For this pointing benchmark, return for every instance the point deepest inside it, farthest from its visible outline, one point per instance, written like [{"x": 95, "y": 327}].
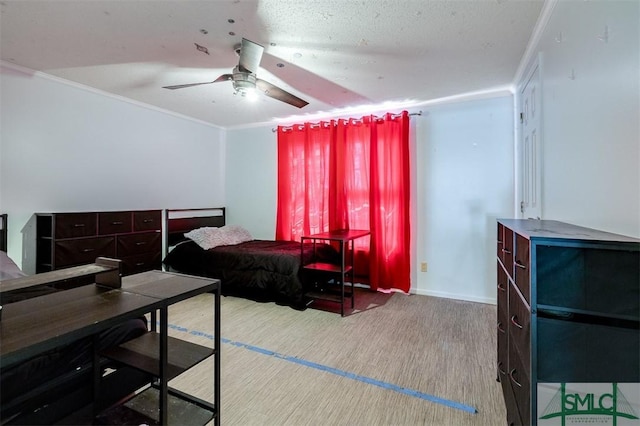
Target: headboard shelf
[{"x": 180, "y": 221}]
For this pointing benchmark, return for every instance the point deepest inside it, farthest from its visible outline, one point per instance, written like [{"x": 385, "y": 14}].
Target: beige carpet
[{"x": 395, "y": 360}]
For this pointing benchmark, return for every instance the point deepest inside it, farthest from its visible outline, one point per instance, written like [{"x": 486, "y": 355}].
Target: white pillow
[
  {"x": 210, "y": 237},
  {"x": 237, "y": 233}
]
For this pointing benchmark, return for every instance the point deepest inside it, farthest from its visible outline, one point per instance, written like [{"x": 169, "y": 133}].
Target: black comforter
[{"x": 261, "y": 270}]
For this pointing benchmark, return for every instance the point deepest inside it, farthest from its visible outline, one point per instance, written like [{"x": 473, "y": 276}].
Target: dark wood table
[
  {"x": 171, "y": 288},
  {"x": 345, "y": 239},
  {"x": 34, "y": 326}
]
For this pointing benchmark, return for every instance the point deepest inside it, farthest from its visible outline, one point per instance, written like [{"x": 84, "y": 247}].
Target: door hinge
[
  {"x": 521, "y": 118},
  {"x": 521, "y": 206}
]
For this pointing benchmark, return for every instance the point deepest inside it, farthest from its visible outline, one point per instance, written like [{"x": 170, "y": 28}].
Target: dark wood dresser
[
  {"x": 77, "y": 238},
  {"x": 568, "y": 310}
]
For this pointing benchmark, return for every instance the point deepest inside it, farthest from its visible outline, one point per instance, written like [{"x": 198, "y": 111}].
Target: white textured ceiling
[{"x": 336, "y": 53}]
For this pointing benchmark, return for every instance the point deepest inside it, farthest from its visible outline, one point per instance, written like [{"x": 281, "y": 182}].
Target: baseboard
[{"x": 457, "y": 296}]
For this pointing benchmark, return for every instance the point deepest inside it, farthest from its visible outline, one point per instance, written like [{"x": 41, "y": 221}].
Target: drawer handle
[
  {"x": 79, "y": 225},
  {"x": 513, "y": 379},
  {"x": 502, "y": 371},
  {"x": 506, "y": 251},
  {"x": 141, "y": 243},
  {"x": 116, "y": 223},
  {"x": 88, "y": 250},
  {"x": 140, "y": 264},
  {"x": 147, "y": 221},
  {"x": 500, "y": 327},
  {"x": 520, "y": 265},
  {"x": 514, "y": 322}
]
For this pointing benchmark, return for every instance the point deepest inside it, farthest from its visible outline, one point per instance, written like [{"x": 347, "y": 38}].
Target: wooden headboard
[
  {"x": 179, "y": 221},
  {"x": 3, "y": 232}
]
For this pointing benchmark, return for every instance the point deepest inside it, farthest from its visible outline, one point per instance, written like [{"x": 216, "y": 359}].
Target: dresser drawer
[
  {"x": 521, "y": 266},
  {"x": 507, "y": 251},
  {"x": 502, "y": 318},
  {"x": 500, "y": 242},
  {"x": 73, "y": 225},
  {"x": 519, "y": 326},
  {"x": 521, "y": 384},
  {"x": 501, "y": 291},
  {"x": 133, "y": 244},
  {"x": 503, "y": 350},
  {"x": 149, "y": 220},
  {"x": 513, "y": 414},
  {"x": 83, "y": 251},
  {"x": 114, "y": 223},
  {"x": 141, "y": 263}
]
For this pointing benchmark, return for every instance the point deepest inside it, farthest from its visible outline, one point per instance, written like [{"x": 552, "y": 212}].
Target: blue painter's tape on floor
[{"x": 336, "y": 371}]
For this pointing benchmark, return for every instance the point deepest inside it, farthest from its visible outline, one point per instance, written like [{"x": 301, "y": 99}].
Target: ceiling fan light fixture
[
  {"x": 244, "y": 84},
  {"x": 251, "y": 93},
  {"x": 243, "y": 81}
]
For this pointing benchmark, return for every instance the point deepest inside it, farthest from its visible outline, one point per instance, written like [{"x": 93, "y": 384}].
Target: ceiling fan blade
[
  {"x": 182, "y": 86},
  {"x": 279, "y": 94},
  {"x": 223, "y": 77},
  {"x": 250, "y": 55}
]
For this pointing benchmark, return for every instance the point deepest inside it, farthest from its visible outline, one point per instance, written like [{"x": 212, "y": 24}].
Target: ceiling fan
[{"x": 244, "y": 77}]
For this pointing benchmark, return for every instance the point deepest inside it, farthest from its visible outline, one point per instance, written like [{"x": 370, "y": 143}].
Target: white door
[{"x": 530, "y": 148}]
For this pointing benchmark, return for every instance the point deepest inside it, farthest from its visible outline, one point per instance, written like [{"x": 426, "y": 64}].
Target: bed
[
  {"x": 46, "y": 388},
  {"x": 260, "y": 270}
]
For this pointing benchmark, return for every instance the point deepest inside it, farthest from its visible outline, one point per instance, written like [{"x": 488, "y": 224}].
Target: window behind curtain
[{"x": 350, "y": 174}]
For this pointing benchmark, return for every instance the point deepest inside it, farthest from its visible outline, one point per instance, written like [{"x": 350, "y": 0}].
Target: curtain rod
[{"x": 318, "y": 124}]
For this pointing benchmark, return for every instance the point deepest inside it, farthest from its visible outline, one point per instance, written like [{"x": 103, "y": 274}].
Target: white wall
[
  {"x": 590, "y": 54},
  {"x": 464, "y": 183},
  {"x": 65, "y": 148},
  {"x": 463, "y": 155},
  {"x": 252, "y": 180}
]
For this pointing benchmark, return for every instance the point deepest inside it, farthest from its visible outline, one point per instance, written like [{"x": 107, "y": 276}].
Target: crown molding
[{"x": 536, "y": 35}]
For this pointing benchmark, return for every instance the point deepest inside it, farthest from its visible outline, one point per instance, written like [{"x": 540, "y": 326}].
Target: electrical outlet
[{"x": 423, "y": 267}]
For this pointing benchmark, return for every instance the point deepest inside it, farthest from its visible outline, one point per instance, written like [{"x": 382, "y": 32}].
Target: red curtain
[{"x": 351, "y": 174}]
